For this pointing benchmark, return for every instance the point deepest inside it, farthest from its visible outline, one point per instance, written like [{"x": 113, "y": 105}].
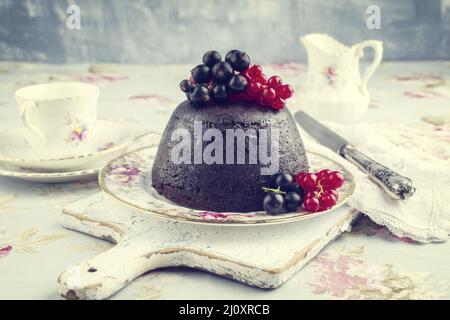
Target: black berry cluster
[
  {"x": 284, "y": 195},
  {"x": 217, "y": 80}
]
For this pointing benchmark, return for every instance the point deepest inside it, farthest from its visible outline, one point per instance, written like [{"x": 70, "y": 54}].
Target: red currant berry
[
  {"x": 263, "y": 102},
  {"x": 254, "y": 88},
  {"x": 333, "y": 180},
  {"x": 311, "y": 204},
  {"x": 269, "y": 94},
  {"x": 322, "y": 174},
  {"x": 246, "y": 75},
  {"x": 263, "y": 87},
  {"x": 327, "y": 201},
  {"x": 255, "y": 70},
  {"x": 261, "y": 78},
  {"x": 300, "y": 174},
  {"x": 254, "y": 97},
  {"x": 278, "y": 103},
  {"x": 333, "y": 192},
  {"x": 307, "y": 181},
  {"x": 247, "y": 96},
  {"x": 275, "y": 82},
  {"x": 286, "y": 91},
  {"x": 312, "y": 193}
]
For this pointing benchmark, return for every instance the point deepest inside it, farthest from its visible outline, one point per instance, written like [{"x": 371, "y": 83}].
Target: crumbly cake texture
[{"x": 224, "y": 187}]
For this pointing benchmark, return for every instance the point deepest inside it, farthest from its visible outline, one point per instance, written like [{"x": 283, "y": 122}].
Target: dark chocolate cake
[{"x": 224, "y": 187}]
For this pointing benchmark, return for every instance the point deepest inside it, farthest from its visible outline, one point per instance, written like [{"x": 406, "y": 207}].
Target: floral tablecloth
[{"x": 410, "y": 106}]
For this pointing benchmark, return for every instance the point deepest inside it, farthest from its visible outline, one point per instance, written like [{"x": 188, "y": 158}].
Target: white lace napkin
[{"x": 426, "y": 216}]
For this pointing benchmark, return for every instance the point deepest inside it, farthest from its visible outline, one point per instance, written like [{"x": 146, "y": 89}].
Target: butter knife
[{"x": 395, "y": 185}]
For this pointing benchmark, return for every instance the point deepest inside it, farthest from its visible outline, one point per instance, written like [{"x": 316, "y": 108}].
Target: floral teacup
[{"x": 60, "y": 117}]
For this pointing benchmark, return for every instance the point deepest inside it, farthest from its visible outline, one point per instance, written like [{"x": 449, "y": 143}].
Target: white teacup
[{"x": 60, "y": 117}]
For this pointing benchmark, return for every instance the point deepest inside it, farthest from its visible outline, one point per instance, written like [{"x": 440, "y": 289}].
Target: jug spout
[{"x": 323, "y": 43}]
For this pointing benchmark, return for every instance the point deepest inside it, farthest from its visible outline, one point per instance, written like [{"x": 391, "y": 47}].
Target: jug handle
[{"x": 378, "y": 50}]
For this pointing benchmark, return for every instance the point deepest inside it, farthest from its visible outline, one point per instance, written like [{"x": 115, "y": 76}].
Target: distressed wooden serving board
[{"x": 261, "y": 256}]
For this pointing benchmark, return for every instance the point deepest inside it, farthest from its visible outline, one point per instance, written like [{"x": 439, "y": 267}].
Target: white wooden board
[{"x": 261, "y": 256}]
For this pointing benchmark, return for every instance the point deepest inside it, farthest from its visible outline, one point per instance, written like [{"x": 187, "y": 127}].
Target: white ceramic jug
[{"x": 334, "y": 89}]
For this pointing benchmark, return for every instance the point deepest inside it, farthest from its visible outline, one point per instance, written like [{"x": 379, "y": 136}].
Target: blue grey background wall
[{"x": 179, "y": 31}]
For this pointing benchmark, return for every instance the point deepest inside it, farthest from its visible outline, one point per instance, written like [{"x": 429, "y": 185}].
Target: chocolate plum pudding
[
  {"x": 223, "y": 145},
  {"x": 224, "y": 187}
]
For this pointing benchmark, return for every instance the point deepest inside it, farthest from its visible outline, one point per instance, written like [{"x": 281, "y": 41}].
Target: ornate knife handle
[{"x": 395, "y": 185}]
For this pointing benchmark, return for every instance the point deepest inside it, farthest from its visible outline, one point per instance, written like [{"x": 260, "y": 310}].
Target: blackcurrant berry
[
  {"x": 219, "y": 93},
  {"x": 200, "y": 95},
  {"x": 273, "y": 203},
  {"x": 291, "y": 187},
  {"x": 292, "y": 201},
  {"x": 210, "y": 58},
  {"x": 201, "y": 74},
  {"x": 186, "y": 86},
  {"x": 281, "y": 179},
  {"x": 230, "y": 53},
  {"x": 240, "y": 60},
  {"x": 237, "y": 84},
  {"x": 222, "y": 72}
]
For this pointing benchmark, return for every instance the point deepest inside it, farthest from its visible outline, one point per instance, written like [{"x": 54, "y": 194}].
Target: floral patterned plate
[
  {"x": 127, "y": 179},
  {"x": 110, "y": 139}
]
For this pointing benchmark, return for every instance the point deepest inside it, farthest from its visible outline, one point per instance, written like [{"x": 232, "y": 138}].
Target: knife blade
[{"x": 396, "y": 186}]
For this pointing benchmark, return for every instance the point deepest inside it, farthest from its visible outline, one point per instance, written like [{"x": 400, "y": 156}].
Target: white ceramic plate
[
  {"x": 127, "y": 179},
  {"x": 49, "y": 177},
  {"x": 111, "y": 139},
  {"x": 90, "y": 172}
]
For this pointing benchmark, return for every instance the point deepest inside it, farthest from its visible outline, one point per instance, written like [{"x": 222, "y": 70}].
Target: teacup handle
[
  {"x": 28, "y": 108},
  {"x": 378, "y": 50}
]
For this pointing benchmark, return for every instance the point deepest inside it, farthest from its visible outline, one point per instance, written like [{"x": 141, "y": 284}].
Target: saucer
[
  {"x": 90, "y": 172},
  {"x": 110, "y": 139},
  {"x": 127, "y": 179},
  {"x": 31, "y": 175}
]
